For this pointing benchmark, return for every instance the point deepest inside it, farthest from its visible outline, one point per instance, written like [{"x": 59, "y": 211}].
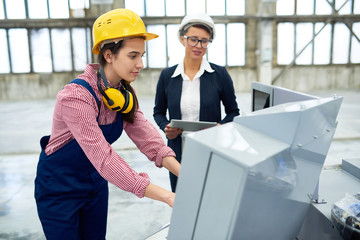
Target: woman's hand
[
  {"x": 158, "y": 193},
  {"x": 171, "y": 132}
]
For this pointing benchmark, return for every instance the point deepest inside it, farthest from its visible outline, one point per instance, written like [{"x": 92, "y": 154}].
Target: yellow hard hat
[{"x": 118, "y": 24}]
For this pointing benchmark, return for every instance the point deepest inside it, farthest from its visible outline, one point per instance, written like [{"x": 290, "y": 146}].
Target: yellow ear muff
[
  {"x": 129, "y": 102},
  {"x": 118, "y": 101},
  {"x": 114, "y": 99}
]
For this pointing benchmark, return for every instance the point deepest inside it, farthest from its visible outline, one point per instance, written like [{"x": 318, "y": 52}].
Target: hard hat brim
[{"x": 147, "y": 36}]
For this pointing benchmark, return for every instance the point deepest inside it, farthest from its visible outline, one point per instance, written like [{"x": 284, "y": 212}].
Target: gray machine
[
  {"x": 250, "y": 179},
  {"x": 258, "y": 177}
]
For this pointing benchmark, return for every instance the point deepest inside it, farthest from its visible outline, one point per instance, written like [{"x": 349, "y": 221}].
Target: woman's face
[
  {"x": 128, "y": 62},
  {"x": 197, "y": 52}
]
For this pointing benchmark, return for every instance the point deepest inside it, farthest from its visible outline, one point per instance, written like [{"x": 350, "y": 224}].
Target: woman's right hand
[
  {"x": 171, "y": 132},
  {"x": 158, "y": 193}
]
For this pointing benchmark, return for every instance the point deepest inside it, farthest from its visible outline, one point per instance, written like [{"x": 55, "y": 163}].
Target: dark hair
[
  {"x": 115, "y": 48},
  {"x": 197, "y": 25}
]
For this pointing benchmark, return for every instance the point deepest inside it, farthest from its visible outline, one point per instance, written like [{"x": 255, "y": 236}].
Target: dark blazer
[{"x": 215, "y": 87}]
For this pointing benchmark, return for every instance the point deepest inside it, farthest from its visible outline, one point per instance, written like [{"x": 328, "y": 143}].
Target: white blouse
[{"x": 190, "y": 95}]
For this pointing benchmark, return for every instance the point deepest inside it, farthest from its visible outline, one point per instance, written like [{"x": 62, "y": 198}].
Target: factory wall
[{"x": 31, "y": 86}]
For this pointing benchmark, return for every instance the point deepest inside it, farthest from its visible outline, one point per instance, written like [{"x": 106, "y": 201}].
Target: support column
[
  {"x": 99, "y": 7},
  {"x": 251, "y": 8},
  {"x": 265, "y": 41}
]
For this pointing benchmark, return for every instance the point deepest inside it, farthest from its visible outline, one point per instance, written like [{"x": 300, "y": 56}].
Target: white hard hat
[{"x": 197, "y": 18}]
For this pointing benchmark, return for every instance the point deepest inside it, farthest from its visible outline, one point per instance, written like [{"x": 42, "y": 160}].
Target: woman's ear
[
  {"x": 107, "y": 55},
  {"x": 182, "y": 40}
]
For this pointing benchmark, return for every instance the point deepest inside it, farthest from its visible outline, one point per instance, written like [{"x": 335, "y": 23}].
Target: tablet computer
[{"x": 191, "y": 125}]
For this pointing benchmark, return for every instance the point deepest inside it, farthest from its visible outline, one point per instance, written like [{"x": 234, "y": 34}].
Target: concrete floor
[{"x": 23, "y": 123}]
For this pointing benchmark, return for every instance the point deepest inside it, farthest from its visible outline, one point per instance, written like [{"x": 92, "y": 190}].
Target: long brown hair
[{"x": 115, "y": 48}]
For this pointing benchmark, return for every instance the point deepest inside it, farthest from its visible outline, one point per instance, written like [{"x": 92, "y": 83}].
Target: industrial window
[
  {"x": 44, "y": 49},
  {"x": 321, "y": 39},
  {"x": 61, "y": 49},
  {"x": 308, "y": 32}
]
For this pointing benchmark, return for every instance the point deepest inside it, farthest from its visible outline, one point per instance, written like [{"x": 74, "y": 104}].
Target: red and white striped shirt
[{"x": 75, "y": 116}]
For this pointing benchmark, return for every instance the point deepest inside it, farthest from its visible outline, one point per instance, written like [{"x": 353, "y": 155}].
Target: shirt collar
[{"x": 205, "y": 66}]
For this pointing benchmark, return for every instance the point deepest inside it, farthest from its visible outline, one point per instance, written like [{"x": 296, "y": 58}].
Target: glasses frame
[{"x": 197, "y": 41}]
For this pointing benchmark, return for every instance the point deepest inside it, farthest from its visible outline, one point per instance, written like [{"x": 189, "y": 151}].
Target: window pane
[
  {"x": 215, "y": 7},
  {"x": 235, "y": 7},
  {"x": 195, "y": 6},
  {"x": 175, "y": 8},
  {"x": 15, "y": 9},
  {"x": 61, "y": 49},
  {"x": 78, "y": 8},
  {"x": 4, "y": 58},
  {"x": 322, "y": 44},
  {"x": 40, "y": 46},
  {"x": 79, "y": 4},
  {"x": 346, "y": 9},
  {"x": 155, "y": 8},
  {"x": 19, "y": 50},
  {"x": 323, "y": 7},
  {"x": 305, "y": 7},
  {"x": 79, "y": 38},
  {"x": 304, "y": 34},
  {"x": 89, "y": 44},
  {"x": 217, "y": 51},
  {"x": 176, "y": 50},
  {"x": 285, "y": 43},
  {"x": 341, "y": 43},
  {"x": 236, "y": 44},
  {"x": 59, "y": 8},
  {"x": 38, "y": 9},
  {"x": 157, "y": 47},
  {"x": 2, "y": 13},
  {"x": 357, "y": 7},
  {"x": 136, "y": 6},
  {"x": 285, "y": 7},
  {"x": 355, "y": 44}
]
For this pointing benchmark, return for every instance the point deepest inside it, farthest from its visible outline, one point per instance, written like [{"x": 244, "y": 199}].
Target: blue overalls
[{"x": 71, "y": 196}]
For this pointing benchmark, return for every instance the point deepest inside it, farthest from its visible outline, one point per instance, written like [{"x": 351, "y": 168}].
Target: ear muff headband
[
  {"x": 106, "y": 99},
  {"x": 114, "y": 99}
]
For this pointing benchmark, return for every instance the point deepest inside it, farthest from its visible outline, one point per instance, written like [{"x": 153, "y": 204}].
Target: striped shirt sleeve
[
  {"x": 148, "y": 139},
  {"x": 78, "y": 110}
]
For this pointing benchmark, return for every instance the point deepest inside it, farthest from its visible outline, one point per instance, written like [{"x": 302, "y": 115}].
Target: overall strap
[{"x": 85, "y": 84}]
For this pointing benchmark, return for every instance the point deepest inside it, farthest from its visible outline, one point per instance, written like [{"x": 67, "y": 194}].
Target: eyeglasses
[{"x": 193, "y": 41}]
